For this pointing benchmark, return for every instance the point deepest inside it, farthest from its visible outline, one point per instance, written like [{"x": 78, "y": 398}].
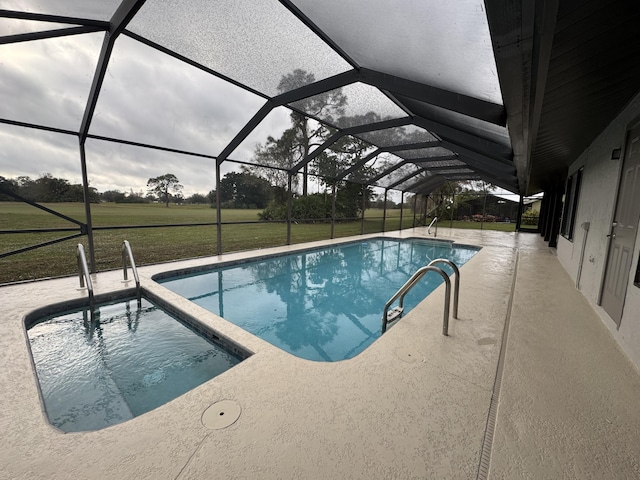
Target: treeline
[
  {"x": 46, "y": 189},
  {"x": 50, "y": 189},
  {"x": 237, "y": 190}
]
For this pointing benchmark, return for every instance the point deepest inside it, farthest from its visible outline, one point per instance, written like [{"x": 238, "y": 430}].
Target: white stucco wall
[{"x": 596, "y": 205}]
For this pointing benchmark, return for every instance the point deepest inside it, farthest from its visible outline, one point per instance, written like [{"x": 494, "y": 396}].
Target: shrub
[
  {"x": 274, "y": 211},
  {"x": 530, "y": 217}
]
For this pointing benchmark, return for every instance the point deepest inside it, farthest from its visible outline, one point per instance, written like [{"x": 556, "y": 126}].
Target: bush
[
  {"x": 530, "y": 217},
  {"x": 273, "y": 211},
  {"x": 311, "y": 208},
  {"x": 487, "y": 218}
]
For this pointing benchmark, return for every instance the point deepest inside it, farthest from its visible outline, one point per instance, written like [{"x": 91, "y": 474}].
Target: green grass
[{"x": 154, "y": 245}]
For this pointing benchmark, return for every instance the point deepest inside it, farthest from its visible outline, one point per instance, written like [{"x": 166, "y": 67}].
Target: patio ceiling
[{"x": 509, "y": 92}]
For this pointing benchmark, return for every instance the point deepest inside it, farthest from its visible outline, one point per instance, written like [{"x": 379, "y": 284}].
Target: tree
[
  {"x": 8, "y": 185},
  {"x": 115, "y": 196},
  {"x": 163, "y": 185},
  {"x": 296, "y": 142},
  {"x": 211, "y": 196},
  {"x": 245, "y": 190},
  {"x": 326, "y": 105},
  {"x": 198, "y": 199},
  {"x": 46, "y": 188}
]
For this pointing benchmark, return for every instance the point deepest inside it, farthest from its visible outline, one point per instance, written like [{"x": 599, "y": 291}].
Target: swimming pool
[
  {"x": 323, "y": 304},
  {"x": 132, "y": 358}
]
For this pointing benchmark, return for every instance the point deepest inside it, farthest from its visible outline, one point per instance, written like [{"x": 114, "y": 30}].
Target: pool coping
[{"x": 253, "y": 381}]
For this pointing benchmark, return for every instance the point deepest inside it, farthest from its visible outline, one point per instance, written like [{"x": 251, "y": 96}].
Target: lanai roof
[{"x": 509, "y": 92}]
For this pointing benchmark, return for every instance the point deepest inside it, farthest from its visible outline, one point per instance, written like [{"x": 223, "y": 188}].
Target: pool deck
[{"x": 414, "y": 405}]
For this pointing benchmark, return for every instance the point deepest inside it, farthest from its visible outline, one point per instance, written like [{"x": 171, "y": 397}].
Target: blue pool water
[
  {"x": 132, "y": 359},
  {"x": 323, "y": 305}
]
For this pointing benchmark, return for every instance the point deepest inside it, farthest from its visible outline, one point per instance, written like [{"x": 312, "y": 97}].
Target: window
[
  {"x": 571, "y": 204},
  {"x": 636, "y": 281}
]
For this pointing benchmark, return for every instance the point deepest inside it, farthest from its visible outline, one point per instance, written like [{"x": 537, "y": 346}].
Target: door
[{"x": 623, "y": 230}]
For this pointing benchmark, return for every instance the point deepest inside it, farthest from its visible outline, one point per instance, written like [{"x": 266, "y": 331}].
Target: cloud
[
  {"x": 29, "y": 152},
  {"x": 147, "y": 97},
  {"x": 102, "y": 10},
  {"x": 47, "y": 82}
]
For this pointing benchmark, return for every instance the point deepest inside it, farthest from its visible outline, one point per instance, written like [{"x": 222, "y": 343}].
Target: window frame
[{"x": 570, "y": 208}]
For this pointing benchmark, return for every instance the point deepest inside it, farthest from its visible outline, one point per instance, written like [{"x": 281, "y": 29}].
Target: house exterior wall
[
  {"x": 535, "y": 206},
  {"x": 596, "y": 205}
]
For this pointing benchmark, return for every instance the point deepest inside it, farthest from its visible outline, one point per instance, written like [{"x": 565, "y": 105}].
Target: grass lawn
[{"x": 160, "y": 244}]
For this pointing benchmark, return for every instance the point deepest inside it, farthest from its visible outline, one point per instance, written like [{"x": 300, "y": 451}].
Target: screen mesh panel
[
  {"x": 424, "y": 153},
  {"x": 14, "y": 26},
  {"x": 41, "y": 82},
  {"x": 398, "y": 136},
  {"x": 256, "y": 43},
  {"x": 135, "y": 165},
  {"x": 443, "y": 44},
  {"x": 94, "y": 10},
  {"x": 350, "y": 106},
  {"x": 152, "y": 98}
]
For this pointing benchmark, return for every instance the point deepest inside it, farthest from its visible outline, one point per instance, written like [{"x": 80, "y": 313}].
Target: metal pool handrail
[
  {"x": 126, "y": 252},
  {"x": 415, "y": 278},
  {"x": 456, "y": 287},
  {"x": 83, "y": 269},
  {"x": 434, "y": 221}
]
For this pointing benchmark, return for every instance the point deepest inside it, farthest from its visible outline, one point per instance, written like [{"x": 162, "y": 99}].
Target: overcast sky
[
  {"x": 147, "y": 97},
  {"x": 151, "y": 98}
]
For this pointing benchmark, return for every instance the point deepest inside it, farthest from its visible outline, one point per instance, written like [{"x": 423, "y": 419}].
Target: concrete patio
[{"x": 414, "y": 405}]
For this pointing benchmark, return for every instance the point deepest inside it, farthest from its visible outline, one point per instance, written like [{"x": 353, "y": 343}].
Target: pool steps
[
  {"x": 128, "y": 254},
  {"x": 396, "y": 312},
  {"x": 85, "y": 277},
  {"x": 83, "y": 273}
]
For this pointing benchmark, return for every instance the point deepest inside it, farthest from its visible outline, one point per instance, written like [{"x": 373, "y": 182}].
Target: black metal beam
[
  {"x": 38, "y": 127},
  {"x": 319, "y": 32},
  {"x": 122, "y": 16},
  {"x": 44, "y": 17},
  {"x": 510, "y": 184},
  {"x": 488, "y": 162},
  {"x": 359, "y": 164},
  {"x": 316, "y": 152},
  {"x": 60, "y": 32},
  {"x": 447, "y": 167},
  {"x": 371, "y": 127},
  {"x": 473, "y": 107},
  {"x": 403, "y": 162},
  {"x": 454, "y": 135},
  {"x": 246, "y": 130},
  {"x": 87, "y": 206},
  {"x": 437, "y": 159},
  {"x": 321, "y": 86},
  {"x": 148, "y": 145},
  {"x": 425, "y": 183},
  {"x": 40, "y": 245},
  {"x": 487, "y": 171},
  {"x": 383, "y": 125},
  {"x": 386, "y": 172},
  {"x": 120, "y": 19},
  {"x": 191, "y": 62},
  {"x": 253, "y": 164},
  {"x": 42, "y": 207},
  {"x": 391, "y": 149},
  {"x": 407, "y": 177},
  {"x": 505, "y": 179},
  {"x": 412, "y": 146}
]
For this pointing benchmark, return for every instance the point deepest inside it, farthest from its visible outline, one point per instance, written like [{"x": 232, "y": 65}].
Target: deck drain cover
[
  {"x": 221, "y": 414},
  {"x": 408, "y": 355}
]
